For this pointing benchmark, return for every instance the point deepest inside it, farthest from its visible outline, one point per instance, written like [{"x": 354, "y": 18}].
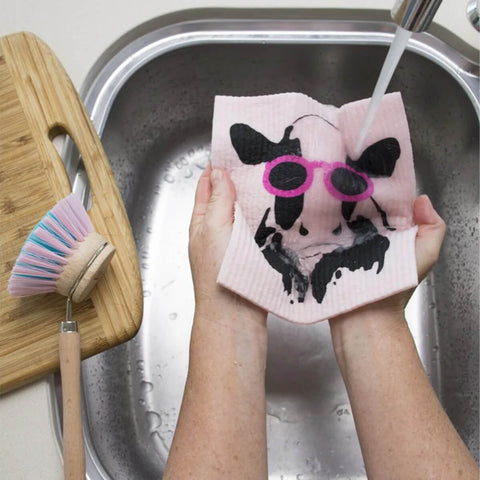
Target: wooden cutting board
[{"x": 38, "y": 102}]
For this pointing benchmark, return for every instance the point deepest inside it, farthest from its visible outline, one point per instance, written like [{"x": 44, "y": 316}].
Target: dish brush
[{"x": 64, "y": 254}]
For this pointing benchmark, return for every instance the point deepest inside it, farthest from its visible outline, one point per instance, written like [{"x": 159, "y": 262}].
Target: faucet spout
[{"x": 414, "y": 15}]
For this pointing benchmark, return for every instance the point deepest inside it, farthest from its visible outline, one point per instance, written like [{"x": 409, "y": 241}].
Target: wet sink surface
[{"x": 156, "y": 132}]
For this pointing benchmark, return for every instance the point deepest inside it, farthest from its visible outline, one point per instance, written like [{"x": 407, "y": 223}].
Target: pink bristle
[
  {"x": 46, "y": 250},
  {"x": 35, "y": 271},
  {"x": 53, "y": 242},
  {"x": 80, "y": 214},
  {"x": 31, "y": 287},
  {"x": 66, "y": 234},
  {"x": 40, "y": 252},
  {"x": 74, "y": 217}
]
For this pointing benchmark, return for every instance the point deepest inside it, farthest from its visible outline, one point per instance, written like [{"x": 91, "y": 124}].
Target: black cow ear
[
  {"x": 379, "y": 159},
  {"x": 253, "y": 148}
]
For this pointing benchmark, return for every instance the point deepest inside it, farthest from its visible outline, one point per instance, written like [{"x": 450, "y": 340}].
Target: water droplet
[
  {"x": 145, "y": 266},
  {"x": 146, "y": 386},
  {"x": 273, "y": 419},
  {"x": 202, "y": 163},
  {"x": 169, "y": 178},
  {"x": 188, "y": 173},
  {"x": 343, "y": 409},
  {"x": 154, "y": 420},
  {"x": 191, "y": 152},
  {"x": 146, "y": 293},
  {"x": 173, "y": 316},
  {"x": 435, "y": 348},
  {"x": 149, "y": 230},
  {"x": 183, "y": 161}
]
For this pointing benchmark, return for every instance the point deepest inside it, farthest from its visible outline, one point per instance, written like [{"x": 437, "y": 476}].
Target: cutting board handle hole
[
  {"x": 72, "y": 160},
  {"x": 58, "y": 138}
]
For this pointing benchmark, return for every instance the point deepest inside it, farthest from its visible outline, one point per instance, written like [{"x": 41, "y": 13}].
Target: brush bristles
[{"x": 47, "y": 249}]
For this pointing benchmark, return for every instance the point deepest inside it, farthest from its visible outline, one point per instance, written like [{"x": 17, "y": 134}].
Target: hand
[
  {"x": 351, "y": 329},
  {"x": 397, "y": 414},
  {"x": 428, "y": 242},
  {"x": 431, "y": 230},
  {"x": 210, "y": 231}
]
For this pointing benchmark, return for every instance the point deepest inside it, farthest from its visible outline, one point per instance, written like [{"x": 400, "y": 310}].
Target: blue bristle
[
  {"x": 36, "y": 256},
  {"x": 36, "y": 267},
  {"x": 38, "y": 241},
  {"x": 41, "y": 225},
  {"x": 64, "y": 228},
  {"x": 24, "y": 275}
]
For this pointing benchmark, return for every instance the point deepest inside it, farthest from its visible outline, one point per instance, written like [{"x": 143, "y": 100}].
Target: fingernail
[{"x": 216, "y": 176}]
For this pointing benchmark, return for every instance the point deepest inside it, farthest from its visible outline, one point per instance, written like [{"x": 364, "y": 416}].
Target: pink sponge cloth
[{"x": 317, "y": 231}]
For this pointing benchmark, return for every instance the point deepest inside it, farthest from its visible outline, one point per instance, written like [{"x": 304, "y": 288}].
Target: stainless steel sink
[{"x": 152, "y": 103}]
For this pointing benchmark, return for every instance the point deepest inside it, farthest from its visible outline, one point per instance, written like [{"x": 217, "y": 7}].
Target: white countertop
[{"x": 79, "y": 32}]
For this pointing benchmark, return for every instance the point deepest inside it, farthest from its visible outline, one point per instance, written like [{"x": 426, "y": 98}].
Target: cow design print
[{"x": 288, "y": 176}]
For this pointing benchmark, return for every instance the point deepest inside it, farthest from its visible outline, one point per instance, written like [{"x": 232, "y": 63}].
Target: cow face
[{"x": 289, "y": 175}]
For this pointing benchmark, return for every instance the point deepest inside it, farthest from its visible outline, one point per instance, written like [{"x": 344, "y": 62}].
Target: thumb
[
  {"x": 221, "y": 204},
  {"x": 431, "y": 230}
]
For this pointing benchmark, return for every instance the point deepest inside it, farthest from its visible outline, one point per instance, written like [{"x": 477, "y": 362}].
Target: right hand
[{"x": 210, "y": 231}]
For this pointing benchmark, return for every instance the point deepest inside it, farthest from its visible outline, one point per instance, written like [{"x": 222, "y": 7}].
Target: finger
[
  {"x": 430, "y": 234},
  {"x": 202, "y": 197},
  {"x": 220, "y": 207}
]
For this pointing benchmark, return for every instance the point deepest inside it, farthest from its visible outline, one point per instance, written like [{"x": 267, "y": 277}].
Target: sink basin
[{"x": 152, "y": 103}]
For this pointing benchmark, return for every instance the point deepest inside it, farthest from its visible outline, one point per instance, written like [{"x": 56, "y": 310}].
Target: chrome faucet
[
  {"x": 473, "y": 13},
  {"x": 415, "y": 15}
]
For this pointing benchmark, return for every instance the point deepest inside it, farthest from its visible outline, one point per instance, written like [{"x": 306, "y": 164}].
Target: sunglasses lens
[
  {"x": 287, "y": 176},
  {"x": 347, "y": 182}
]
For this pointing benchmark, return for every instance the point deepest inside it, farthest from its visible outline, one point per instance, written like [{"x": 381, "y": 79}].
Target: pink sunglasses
[{"x": 290, "y": 176}]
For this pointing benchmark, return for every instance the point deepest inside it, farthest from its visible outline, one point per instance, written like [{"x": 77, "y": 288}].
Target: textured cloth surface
[{"x": 316, "y": 232}]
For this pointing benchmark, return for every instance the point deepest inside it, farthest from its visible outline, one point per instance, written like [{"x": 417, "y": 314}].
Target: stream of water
[{"x": 391, "y": 61}]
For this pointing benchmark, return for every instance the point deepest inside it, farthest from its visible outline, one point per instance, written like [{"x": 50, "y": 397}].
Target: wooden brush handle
[{"x": 73, "y": 448}]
